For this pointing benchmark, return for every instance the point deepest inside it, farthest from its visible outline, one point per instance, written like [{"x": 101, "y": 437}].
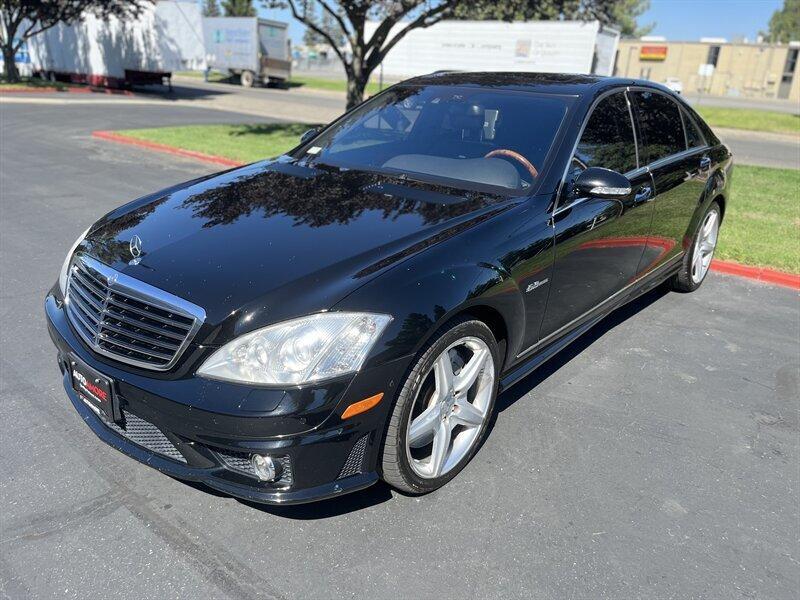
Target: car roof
[{"x": 572, "y": 84}]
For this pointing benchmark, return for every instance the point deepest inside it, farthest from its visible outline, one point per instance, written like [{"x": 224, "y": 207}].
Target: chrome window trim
[
  {"x": 685, "y": 116},
  {"x": 633, "y": 126},
  {"x": 666, "y": 159},
  {"x": 143, "y": 292},
  {"x": 678, "y": 156},
  {"x": 617, "y": 90}
]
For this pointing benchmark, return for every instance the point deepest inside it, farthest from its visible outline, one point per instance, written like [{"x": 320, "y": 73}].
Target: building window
[
  {"x": 791, "y": 61},
  {"x": 713, "y": 55}
]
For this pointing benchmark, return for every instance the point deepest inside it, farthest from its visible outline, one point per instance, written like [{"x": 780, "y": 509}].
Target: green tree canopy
[
  {"x": 211, "y": 9},
  {"x": 238, "y": 8},
  {"x": 784, "y": 26}
]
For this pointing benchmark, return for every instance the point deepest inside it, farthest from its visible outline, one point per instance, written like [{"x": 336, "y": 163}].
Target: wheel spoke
[
  {"x": 469, "y": 373},
  {"x": 451, "y": 415},
  {"x": 441, "y": 444},
  {"x": 423, "y": 427},
  {"x": 709, "y": 225},
  {"x": 443, "y": 374},
  {"x": 698, "y": 263},
  {"x": 467, "y": 414}
]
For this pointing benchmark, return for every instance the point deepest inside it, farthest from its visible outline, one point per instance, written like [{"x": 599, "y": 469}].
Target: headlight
[
  {"x": 62, "y": 277},
  {"x": 299, "y": 351}
]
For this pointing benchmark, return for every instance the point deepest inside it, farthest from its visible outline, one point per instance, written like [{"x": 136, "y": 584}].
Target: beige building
[{"x": 717, "y": 68}]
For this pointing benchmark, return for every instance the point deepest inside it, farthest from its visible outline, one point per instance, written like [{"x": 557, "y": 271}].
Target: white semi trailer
[
  {"x": 257, "y": 50},
  {"x": 167, "y": 36},
  {"x": 533, "y": 46}
]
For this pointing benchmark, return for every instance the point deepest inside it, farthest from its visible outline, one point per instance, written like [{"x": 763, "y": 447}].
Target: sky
[{"x": 682, "y": 20}]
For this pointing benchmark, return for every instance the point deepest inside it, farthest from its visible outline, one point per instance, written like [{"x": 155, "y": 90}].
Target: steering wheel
[{"x": 504, "y": 152}]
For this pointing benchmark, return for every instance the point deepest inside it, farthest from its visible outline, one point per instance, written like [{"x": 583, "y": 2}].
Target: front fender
[{"x": 422, "y": 296}]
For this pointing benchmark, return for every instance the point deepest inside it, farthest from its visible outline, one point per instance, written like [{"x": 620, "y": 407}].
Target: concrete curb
[
  {"x": 124, "y": 139},
  {"x": 762, "y": 274},
  {"x": 68, "y": 90},
  {"x": 748, "y": 134}
]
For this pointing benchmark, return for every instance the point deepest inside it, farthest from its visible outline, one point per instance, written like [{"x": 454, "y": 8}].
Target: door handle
[
  {"x": 705, "y": 163},
  {"x": 643, "y": 195}
]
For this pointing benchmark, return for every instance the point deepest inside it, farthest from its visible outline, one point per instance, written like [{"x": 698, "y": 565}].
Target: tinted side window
[
  {"x": 607, "y": 141},
  {"x": 661, "y": 126},
  {"x": 693, "y": 136}
]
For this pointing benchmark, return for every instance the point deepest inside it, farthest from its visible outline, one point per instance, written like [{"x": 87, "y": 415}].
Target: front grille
[
  {"x": 146, "y": 435},
  {"x": 355, "y": 461},
  {"x": 126, "y": 319},
  {"x": 240, "y": 461}
]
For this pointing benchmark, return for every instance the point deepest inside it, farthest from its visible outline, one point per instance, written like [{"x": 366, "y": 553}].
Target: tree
[
  {"x": 335, "y": 32},
  {"x": 238, "y": 8},
  {"x": 784, "y": 26},
  {"x": 624, "y": 16},
  {"x": 396, "y": 18},
  {"x": 311, "y": 37},
  {"x": 620, "y": 14},
  {"x": 364, "y": 54},
  {"x": 211, "y": 9},
  {"x": 327, "y": 24},
  {"x": 20, "y": 20}
]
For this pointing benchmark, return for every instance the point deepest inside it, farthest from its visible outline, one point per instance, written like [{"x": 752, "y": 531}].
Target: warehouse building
[{"x": 715, "y": 67}]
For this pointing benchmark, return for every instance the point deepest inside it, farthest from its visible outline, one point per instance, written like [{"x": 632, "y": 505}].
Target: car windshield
[{"x": 471, "y": 138}]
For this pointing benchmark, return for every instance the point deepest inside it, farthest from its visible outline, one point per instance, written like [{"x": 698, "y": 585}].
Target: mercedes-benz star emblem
[{"x": 136, "y": 246}]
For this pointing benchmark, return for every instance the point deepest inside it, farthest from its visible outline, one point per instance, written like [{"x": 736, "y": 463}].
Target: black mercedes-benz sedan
[{"x": 301, "y": 327}]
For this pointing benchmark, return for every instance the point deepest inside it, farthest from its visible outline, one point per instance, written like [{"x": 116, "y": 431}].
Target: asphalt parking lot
[{"x": 658, "y": 457}]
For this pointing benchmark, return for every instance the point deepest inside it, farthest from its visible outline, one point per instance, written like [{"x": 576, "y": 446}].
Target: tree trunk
[
  {"x": 356, "y": 84},
  {"x": 11, "y": 73},
  {"x": 357, "y": 77}
]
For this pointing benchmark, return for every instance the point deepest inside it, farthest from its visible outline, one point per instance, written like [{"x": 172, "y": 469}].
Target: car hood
[{"x": 279, "y": 239}]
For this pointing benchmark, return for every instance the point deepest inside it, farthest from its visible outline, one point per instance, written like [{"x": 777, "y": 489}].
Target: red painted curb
[
  {"x": 124, "y": 139},
  {"x": 764, "y": 274},
  {"x": 70, "y": 90},
  {"x": 721, "y": 266}
]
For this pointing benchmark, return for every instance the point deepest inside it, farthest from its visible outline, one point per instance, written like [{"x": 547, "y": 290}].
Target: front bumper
[{"x": 186, "y": 441}]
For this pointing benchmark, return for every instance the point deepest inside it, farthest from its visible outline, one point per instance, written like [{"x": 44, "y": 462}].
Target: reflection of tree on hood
[
  {"x": 105, "y": 244},
  {"x": 320, "y": 200}
]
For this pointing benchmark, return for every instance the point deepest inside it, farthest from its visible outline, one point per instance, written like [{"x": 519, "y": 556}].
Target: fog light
[{"x": 266, "y": 469}]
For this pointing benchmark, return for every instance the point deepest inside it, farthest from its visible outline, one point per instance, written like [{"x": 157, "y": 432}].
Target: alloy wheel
[
  {"x": 704, "y": 246},
  {"x": 450, "y": 408}
]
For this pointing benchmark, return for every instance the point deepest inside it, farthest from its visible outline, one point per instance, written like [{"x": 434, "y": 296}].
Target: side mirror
[
  {"x": 602, "y": 183},
  {"x": 308, "y": 135}
]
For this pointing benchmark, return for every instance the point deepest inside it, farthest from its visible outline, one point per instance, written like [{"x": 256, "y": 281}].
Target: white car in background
[{"x": 674, "y": 84}]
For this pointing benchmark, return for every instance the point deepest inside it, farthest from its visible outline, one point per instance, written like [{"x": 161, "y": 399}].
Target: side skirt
[{"x": 532, "y": 358}]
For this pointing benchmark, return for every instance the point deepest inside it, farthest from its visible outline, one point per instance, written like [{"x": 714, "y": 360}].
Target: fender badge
[{"x": 536, "y": 284}]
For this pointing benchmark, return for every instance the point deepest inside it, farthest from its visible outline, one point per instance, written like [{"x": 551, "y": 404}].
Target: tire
[
  {"x": 692, "y": 275},
  {"x": 247, "y": 79},
  {"x": 404, "y": 467}
]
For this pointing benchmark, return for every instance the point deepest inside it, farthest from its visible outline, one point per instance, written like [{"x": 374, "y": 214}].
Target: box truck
[
  {"x": 535, "y": 46},
  {"x": 257, "y": 50},
  {"x": 167, "y": 36}
]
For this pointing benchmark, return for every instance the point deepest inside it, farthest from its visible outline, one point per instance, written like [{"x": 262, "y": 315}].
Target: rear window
[
  {"x": 471, "y": 138},
  {"x": 661, "y": 126},
  {"x": 694, "y": 139}
]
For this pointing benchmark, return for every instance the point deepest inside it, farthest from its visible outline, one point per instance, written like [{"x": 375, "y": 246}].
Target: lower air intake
[
  {"x": 146, "y": 435},
  {"x": 355, "y": 462}
]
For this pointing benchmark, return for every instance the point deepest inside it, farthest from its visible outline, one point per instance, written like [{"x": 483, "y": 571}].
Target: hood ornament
[{"x": 135, "y": 247}]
